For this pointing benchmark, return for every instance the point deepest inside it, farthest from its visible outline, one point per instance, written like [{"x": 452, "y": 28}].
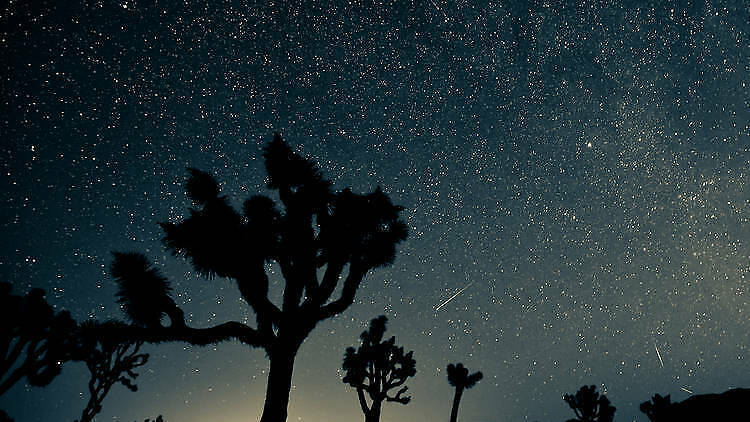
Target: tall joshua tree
[
  {"x": 459, "y": 378},
  {"x": 34, "y": 340},
  {"x": 589, "y": 406},
  {"x": 377, "y": 367},
  {"x": 340, "y": 235}
]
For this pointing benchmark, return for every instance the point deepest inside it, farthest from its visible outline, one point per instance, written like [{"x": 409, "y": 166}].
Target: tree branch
[
  {"x": 231, "y": 330},
  {"x": 254, "y": 289},
  {"x": 328, "y": 285},
  {"x": 351, "y": 284},
  {"x": 397, "y": 398}
]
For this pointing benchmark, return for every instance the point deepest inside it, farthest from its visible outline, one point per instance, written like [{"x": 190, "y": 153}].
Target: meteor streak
[
  {"x": 658, "y": 355},
  {"x": 686, "y": 390},
  {"x": 437, "y": 308}
]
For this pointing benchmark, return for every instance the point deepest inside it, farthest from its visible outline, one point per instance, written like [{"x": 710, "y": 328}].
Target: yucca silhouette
[
  {"x": 377, "y": 367},
  {"x": 459, "y": 378},
  {"x": 316, "y": 231}
]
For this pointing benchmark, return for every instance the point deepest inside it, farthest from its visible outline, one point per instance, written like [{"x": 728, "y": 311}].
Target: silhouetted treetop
[
  {"x": 299, "y": 181},
  {"x": 201, "y": 187},
  {"x": 458, "y": 376},
  {"x": 589, "y": 406}
]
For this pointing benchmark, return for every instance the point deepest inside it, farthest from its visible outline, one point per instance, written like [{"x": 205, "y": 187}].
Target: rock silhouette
[
  {"x": 376, "y": 367},
  {"x": 589, "y": 406},
  {"x": 341, "y": 235},
  {"x": 459, "y": 378},
  {"x": 728, "y": 406}
]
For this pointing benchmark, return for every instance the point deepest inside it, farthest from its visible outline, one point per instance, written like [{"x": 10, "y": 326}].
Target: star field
[{"x": 581, "y": 167}]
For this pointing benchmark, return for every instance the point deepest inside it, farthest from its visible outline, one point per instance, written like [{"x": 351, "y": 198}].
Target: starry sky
[{"x": 579, "y": 169}]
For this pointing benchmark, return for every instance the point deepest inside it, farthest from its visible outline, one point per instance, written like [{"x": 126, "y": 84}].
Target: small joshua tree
[
  {"x": 377, "y": 367},
  {"x": 459, "y": 378},
  {"x": 589, "y": 406},
  {"x": 110, "y": 358}
]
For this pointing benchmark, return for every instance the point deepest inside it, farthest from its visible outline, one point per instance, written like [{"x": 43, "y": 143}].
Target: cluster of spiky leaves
[
  {"x": 35, "y": 340},
  {"x": 378, "y": 366},
  {"x": 142, "y": 291},
  {"x": 589, "y": 406},
  {"x": 362, "y": 229},
  {"x": 458, "y": 376}
]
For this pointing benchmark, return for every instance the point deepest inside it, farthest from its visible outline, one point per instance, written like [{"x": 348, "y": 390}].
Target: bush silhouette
[
  {"x": 377, "y": 367},
  {"x": 342, "y": 235},
  {"x": 589, "y": 406},
  {"x": 35, "y": 340},
  {"x": 459, "y": 378}
]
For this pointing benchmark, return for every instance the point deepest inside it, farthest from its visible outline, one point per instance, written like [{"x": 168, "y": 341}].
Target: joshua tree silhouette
[
  {"x": 345, "y": 233},
  {"x": 34, "y": 340},
  {"x": 589, "y": 406},
  {"x": 110, "y": 359},
  {"x": 459, "y": 378},
  {"x": 376, "y": 367}
]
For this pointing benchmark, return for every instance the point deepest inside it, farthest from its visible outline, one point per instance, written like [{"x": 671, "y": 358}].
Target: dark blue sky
[{"x": 583, "y": 165}]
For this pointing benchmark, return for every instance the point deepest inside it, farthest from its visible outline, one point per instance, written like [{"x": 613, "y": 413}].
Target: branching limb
[
  {"x": 362, "y": 399},
  {"x": 398, "y": 398},
  {"x": 351, "y": 284}
]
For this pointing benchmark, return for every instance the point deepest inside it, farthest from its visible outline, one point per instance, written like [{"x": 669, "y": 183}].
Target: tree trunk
[
  {"x": 456, "y": 401},
  {"x": 374, "y": 414},
  {"x": 279, "y": 384}
]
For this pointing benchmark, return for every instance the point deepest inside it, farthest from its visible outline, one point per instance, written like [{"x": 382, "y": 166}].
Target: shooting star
[
  {"x": 437, "y": 308},
  {"x": 658, "y": 355},
  {"x": 441, "y": 10},
  {"x": 686, "y": 390}
]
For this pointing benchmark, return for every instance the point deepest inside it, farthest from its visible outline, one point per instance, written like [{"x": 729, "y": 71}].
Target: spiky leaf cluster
[
  {"x": 142, "y": 291},
  {"x": 458, "y": 376}
]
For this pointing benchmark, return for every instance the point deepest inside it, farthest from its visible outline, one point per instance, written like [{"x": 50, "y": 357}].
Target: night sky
[{"x": 580, "y": 170}]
